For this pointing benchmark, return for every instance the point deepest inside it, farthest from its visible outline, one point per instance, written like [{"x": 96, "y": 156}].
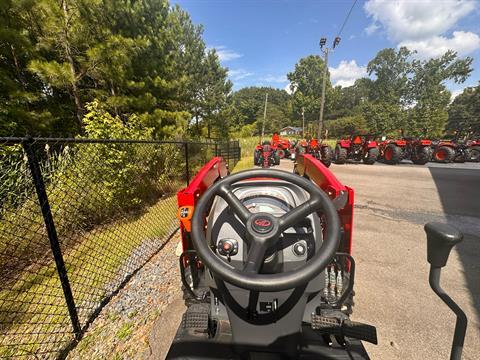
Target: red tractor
[
  {"x": 473, "y": 150},
  {"x": 447, "y": 151},
  {"x": 419, "y": 151},
  {"x": 282, "y": 146},
  {"x": 265, "y": 155},
  {"x": 358, "y": 148},
  {"x": 301, "y": 147},
  {"x": 267, "y": 267},
  {"x": 320, "y": 151}
]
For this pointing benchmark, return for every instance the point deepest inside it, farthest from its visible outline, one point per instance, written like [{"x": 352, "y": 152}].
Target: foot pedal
[
  {"x": 345, "y": 328},
  {"x": 195, "y": 318},
  {"x": 359, "y": 331},
  {"x": 323, "y": 322}
]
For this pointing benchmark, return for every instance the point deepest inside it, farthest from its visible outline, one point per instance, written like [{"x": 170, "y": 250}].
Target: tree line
[
  {"x": 403, "y": 96},
  {"x": 145, "y": 62},
  {"x": 134, "y": 58}
]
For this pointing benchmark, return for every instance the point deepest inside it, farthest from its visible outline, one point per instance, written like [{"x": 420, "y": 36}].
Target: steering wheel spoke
[
  {"x": 256, "y": 254},
  {"x": 299, "y": 213},
  {"x": 235, "y": 204}
]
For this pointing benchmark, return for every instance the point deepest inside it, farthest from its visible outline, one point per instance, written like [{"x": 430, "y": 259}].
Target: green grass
[
  {"x": 125, "y": 331},
  {"x": 244, "y": 164},
  {"x": 94, "y": 262},
  {"x": 248, "y": 146}
]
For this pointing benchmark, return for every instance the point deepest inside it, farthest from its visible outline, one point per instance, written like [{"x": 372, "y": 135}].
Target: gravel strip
[{"x": 123, "y": 328}]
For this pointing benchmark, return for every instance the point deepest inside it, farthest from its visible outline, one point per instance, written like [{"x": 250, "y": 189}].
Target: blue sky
[{"x": 261, "y": 40}]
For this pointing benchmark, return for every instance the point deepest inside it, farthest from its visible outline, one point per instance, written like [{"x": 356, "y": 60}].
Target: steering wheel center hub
[{"x": 262, "y": 223}]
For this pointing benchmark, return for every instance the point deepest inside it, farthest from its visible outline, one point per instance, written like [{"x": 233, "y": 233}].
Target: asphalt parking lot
[{"x": 392, "y": 203}]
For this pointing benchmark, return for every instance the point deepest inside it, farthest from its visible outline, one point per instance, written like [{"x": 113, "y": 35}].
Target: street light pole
[
  {"x": 303, "y": 122},
  {"x": 325, "y": 50},
  {"x": 322, "y": 104},
  {"x": 264, "y": 117}
]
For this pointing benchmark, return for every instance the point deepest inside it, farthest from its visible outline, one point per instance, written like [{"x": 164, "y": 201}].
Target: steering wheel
[{"x": 263, "y": 231}]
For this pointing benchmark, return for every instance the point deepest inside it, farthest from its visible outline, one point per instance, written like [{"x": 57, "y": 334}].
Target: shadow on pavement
[{"x": 459, "y": 192}]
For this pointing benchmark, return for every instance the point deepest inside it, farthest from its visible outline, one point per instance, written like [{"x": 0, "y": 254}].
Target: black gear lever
[{"x": 441, "y": 238}]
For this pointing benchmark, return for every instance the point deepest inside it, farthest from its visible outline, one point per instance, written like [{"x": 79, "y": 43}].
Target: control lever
[{"x": 441, "y": 238}]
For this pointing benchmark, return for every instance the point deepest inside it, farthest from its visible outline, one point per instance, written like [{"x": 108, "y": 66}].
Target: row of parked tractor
[
  {"x": 269, "y": 153},
  {"x": 367, "y": 149},
  {"x": 392, "y": 151}
]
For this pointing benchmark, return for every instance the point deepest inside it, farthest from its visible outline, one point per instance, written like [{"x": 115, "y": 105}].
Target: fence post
[
  {"x": 228, "y": 153},
  {"x": 187, "y": 171},
  {"x": 237, "y": 151},
  {"x": 52, "y": 234},
  {"x": 216, "y": 148}
]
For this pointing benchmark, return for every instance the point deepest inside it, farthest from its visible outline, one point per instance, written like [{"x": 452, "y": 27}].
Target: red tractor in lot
[
  {"x": 265, "y": 155},
  {"x": 419, "y": 151},
  {"x": 320, "y": 151},
  {"x": 282, "y": 146},
  {"x": 473, "y": 150},
  {"x": 447, "y": 151},
  {"x": 358, "y": 148}
]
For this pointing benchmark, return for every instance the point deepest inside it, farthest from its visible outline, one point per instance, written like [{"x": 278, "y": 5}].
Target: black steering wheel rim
[{"x": 249, "y": 278}]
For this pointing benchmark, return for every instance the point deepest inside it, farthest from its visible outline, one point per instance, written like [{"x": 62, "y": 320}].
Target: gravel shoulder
[{"x": 124, "y": 327}]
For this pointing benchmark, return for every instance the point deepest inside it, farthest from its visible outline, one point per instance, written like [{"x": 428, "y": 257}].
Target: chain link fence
[{"x": 78, "y": 217}]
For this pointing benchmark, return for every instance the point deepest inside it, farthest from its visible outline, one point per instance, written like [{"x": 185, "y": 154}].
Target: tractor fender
[
  {"x": 344, "y": 143},
  {"x": 425, "y": 142},
  {"x": 372, "y": 144},
  {"x": 448, "y": 144}
]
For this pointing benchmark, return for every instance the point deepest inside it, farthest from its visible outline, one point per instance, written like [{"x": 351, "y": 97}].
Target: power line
[{"x": 346, "y": 18}]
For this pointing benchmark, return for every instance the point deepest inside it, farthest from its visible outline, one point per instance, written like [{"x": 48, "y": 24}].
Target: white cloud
[
  {"x": 370, "y": 29},
  {"x": 288, "y": 89},
  {"x": 225, "y": 54},
  {"x": 275, "y": 79},
  {"x": 346, "y": 73},
  {"x": 462, "y": 42},
  {"x": 239, "y": 74},
  {"x": 417, "y": 20},
  {"x": 455, "y": 93},
  {"x": 421, "y": 25}
]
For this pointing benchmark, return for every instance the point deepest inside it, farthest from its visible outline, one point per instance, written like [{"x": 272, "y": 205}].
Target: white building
[{"x": 291, "y": 130}]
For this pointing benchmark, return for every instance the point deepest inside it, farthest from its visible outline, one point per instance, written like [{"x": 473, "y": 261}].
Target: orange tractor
[
  {"x": 357, "y": 148},
  {"x": 282, "y": 146},
  {"x": 419, "y": 151}
]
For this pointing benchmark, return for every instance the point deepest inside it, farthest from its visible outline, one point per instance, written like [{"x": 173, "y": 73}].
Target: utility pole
[
  {"x": 322, "y": 104},
  {"x": 303, "y": 122},
  {"x": 325, "y": 51},
  {"x": 264, "y": 117}
]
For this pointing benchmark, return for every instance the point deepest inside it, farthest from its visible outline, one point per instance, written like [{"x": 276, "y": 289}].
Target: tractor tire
[
  {"x": 473, "y": 154},
  {"x": 371, "y": 156},
  {"x": 326, "y": 156},
  {"x": 340, "y": 155},
  {"x": 276, "y": 159},
  {"x": 256, "y": 158},
  {"x": 392, "y": 154},
  {"x": 281, "y": 153},
  {"x": 444, "y": 154},
  {"x": 424, "y": 154},
  {"x": 460, "y": 158}
]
